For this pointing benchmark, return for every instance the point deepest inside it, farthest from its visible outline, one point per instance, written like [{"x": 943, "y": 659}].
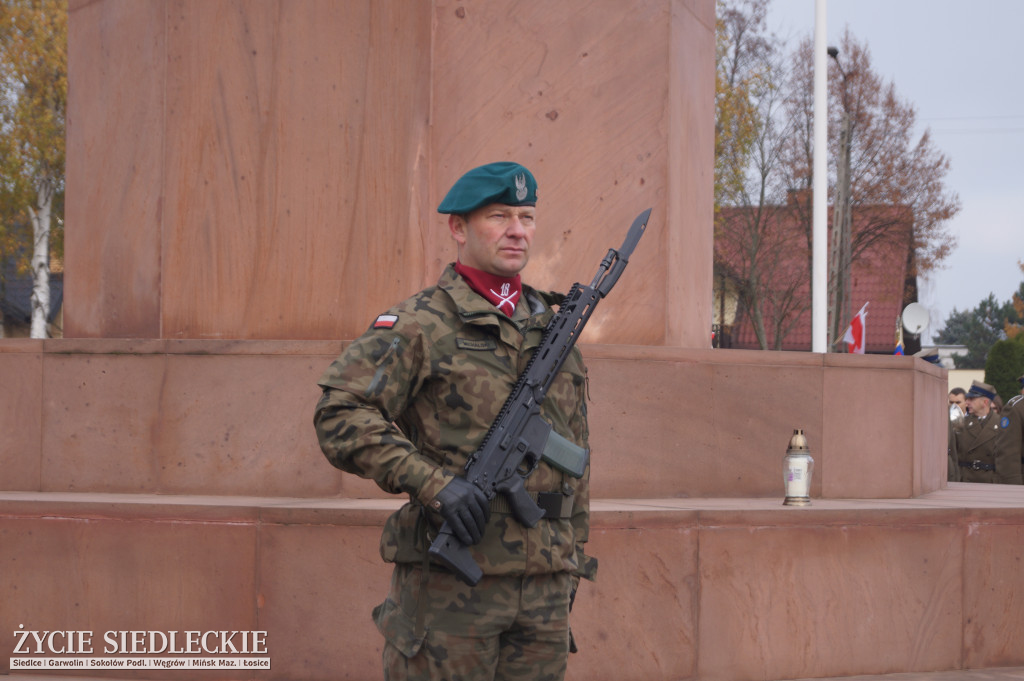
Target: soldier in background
[
  {"x": 955, "y": 424},
  {"x": 406, "y": 405},
  {"x": 958, "y": 399},
  {"x": 986, "y": 448},
  {"x": 958, "y": 396},
  {"x": 1013, "y": 411}
]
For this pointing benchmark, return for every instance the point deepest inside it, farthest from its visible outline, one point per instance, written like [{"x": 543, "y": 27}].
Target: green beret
[{"x": 503, "y": 182}]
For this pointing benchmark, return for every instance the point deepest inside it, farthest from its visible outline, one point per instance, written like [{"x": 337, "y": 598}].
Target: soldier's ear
[{"x": 457, "y": 226}]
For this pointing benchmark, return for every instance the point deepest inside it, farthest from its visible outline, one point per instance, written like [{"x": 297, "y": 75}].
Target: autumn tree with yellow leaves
[
  {"x": 33, "y": 99},
  {"x": 763, "y": 171},
  {"x": 750, "y": 248}
]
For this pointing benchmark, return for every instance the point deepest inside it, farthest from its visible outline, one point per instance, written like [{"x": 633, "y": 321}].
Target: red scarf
[{"x": 502, "y": 292}]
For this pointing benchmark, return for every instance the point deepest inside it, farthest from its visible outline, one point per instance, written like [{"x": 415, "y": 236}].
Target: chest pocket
[
  {"x": 474, "y": 375},
  {"x": 566, "y": 402}
]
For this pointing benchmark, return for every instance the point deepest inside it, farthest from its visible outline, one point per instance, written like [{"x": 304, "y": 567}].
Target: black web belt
[
  {"x": 555, "y": 504},
  {"x": 977, "y": 465}
]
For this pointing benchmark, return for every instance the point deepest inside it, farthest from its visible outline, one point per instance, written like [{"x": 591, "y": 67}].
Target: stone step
[
  {"x": 1001, "y": 674},
  {"x": 737, "y": 589}
]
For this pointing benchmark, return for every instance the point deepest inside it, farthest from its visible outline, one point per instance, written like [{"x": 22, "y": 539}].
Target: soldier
[
  {"x": 1014, "y": 413},
  {"x": 958, "y": 396},
  {"x": 985, "y": 447},
  {"x": 955, "y": 423},
  {"x": 407, "y": 403}
]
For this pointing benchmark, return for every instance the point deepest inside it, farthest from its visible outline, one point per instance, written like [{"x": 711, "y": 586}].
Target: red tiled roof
[{"x": 878, "y": 277}]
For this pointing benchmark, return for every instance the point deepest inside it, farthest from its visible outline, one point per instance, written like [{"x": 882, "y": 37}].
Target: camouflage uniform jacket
[{"x": 406, "y": 406}]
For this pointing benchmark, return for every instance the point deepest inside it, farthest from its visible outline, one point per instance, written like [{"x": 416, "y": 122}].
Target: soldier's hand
[{"x": 465, "y": 508}]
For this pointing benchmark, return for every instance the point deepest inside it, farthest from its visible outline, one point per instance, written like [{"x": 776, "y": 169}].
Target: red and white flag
[{"x": 856, "y": 333}]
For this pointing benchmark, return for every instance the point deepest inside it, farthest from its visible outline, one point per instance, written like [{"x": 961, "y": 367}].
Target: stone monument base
[
  {"x": 177, "y": 486},
  {"x": 709, "y": 589}
]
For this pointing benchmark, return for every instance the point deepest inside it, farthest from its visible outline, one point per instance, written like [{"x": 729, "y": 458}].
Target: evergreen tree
[
  {"x": 1004, "y": 364},
  {"x": 978, "y": 329}
]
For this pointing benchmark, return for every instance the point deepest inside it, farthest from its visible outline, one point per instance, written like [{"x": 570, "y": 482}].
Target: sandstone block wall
[
  {"x": 233, "y": 418},
  {"x": 271, "y": 169}
]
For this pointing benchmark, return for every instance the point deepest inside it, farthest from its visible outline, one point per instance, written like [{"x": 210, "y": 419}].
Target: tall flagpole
[{"x": 819, "y": 274}]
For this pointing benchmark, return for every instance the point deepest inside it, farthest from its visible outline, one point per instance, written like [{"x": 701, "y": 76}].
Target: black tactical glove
[{"x": 465, "y": 508}]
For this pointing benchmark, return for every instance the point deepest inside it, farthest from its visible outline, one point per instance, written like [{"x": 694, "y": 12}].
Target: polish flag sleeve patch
[{"x": 385, "y": 321}]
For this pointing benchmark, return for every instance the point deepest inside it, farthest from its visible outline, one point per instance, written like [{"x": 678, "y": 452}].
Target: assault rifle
[{"x": 519, "y": 437}]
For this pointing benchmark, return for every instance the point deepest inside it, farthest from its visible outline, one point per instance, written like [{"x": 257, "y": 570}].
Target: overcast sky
[{"x": 959, "y": 63}]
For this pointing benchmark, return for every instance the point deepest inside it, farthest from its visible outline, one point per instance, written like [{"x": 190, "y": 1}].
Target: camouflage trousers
[{"x": 504, "y": 628}]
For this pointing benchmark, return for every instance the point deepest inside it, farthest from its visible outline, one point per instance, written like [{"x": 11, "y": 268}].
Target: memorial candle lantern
[{"x": 797, "y": 468}]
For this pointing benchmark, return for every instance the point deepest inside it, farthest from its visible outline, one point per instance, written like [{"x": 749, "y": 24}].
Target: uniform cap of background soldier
[
  {"x": 979, "y": 389},
  {"x": 502, "y": 182}
]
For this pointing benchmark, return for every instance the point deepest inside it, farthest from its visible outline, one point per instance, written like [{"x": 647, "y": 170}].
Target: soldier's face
[
  {"x": 979, "y": 405},
  {"x": 495, "y": 238},
  {"x": 959, "y": 401}
]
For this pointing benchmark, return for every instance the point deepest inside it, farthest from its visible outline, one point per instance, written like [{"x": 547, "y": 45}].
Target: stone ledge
[
  {"x": 975, "y": 498},
  {"x": 1002, "y": 674},
  {"x": 654, "y": 353}
]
